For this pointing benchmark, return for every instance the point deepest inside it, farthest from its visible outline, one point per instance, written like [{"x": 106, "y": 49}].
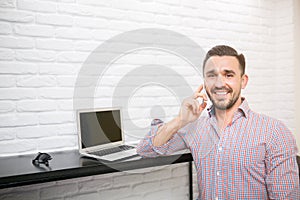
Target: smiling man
[{"x": 238, "y": 154}]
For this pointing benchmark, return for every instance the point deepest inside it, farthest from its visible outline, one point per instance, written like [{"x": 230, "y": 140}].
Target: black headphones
[{"x": 42, "y": 158}]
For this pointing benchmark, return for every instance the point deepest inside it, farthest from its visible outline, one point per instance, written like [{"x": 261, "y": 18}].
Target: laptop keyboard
[{"x": 112, "y": 150}]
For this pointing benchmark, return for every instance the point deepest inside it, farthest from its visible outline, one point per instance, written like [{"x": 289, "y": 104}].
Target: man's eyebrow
[
  {"x": 210, "y": 72},
  {"x": 227, "y": 71}
]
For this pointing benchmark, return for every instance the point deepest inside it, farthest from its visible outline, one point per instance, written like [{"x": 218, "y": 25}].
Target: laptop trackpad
[{"x": 119, "y": 155}]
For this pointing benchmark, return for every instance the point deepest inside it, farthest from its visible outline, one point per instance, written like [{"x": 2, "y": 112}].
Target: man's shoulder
[{"x": 266, "y": 120}]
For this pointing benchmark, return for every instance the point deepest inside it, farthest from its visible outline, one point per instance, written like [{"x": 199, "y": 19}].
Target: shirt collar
[{"x": 243, "y": 108}]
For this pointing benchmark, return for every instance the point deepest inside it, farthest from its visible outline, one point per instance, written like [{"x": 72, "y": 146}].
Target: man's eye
[
  {"x": 229, "y": 75},
  {"x": 210, "y": 75}
]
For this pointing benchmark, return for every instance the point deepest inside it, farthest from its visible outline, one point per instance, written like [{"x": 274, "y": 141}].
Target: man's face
[{"x": 223, "y": 81}]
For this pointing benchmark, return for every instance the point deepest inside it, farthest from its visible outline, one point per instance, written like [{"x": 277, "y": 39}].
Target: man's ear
[{"x": 244, "y": 81}]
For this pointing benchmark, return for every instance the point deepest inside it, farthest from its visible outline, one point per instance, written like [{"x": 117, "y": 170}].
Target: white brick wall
[
  {"x": 44, "y": 43},
  {"x": 122, "y": 185}
]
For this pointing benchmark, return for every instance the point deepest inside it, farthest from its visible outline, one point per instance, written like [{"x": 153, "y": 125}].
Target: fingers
[
  {"x": 198, "y": 93},
  {"x": 202, "y": 106},
  {"x": 195, "y": 107},
  {"x": 199, "y": 89},
  {"x": 192, "y": 104}
]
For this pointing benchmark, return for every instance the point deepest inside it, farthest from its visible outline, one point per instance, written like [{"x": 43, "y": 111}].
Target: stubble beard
[{"x": 222, "y": 104}]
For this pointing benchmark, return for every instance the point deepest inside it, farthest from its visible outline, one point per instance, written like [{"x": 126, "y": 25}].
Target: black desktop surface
[{"x": 19, "y": 170}]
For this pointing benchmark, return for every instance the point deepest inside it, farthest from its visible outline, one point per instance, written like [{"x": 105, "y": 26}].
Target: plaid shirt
[{"x": 254, "y": 157}]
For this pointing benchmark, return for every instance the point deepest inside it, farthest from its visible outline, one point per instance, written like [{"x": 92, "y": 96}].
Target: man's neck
[{"x": 225, "y": 117}]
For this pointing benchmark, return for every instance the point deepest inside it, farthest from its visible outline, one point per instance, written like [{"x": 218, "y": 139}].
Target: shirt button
[
  {"x": 218, "y": 173},
  {"x": 216, "y": 198},
  {"x": 220, "y": 148}
]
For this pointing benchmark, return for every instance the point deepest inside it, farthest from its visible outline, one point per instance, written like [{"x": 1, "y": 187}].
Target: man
[{"x": 238, "y": 154}]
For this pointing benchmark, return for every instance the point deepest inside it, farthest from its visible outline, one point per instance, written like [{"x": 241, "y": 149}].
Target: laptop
[{"x": 101, "y": 136}]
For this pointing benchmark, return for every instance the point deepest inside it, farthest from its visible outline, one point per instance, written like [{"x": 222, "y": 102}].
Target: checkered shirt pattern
[{"x": 254, "y": 157}]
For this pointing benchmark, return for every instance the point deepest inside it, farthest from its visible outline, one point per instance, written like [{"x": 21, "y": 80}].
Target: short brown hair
[{"x": 223, "y": 50}]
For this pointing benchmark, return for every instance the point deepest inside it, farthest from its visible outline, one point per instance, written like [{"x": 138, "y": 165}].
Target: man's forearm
[{"x": 166, "y": 131}]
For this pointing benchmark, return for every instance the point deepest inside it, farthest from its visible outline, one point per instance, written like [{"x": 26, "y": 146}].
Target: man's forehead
[{"x": 222, "y": 63}]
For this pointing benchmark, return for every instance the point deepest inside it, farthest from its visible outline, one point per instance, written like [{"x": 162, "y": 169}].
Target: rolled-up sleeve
[{"x": 146, "y": 148}]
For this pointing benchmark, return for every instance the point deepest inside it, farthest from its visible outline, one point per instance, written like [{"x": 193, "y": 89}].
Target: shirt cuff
[{"x": 155, "y": 125}]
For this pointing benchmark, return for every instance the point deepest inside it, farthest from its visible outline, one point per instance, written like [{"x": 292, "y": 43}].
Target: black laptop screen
[{"x": 100, "y": 127}]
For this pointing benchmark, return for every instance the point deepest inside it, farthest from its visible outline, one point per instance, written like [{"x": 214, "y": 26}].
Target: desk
[{"x": 19, "y": 170}]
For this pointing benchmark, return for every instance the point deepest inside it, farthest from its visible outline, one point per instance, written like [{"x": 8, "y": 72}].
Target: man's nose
[{"x": 220, "y": 82}]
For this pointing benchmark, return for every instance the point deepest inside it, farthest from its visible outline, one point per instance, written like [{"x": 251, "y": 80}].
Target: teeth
[{"x": 221, "y": 93}]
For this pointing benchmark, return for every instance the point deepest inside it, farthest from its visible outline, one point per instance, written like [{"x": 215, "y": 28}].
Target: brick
[
  {"x": 36, "y": 105},
  {"x": 103, "y": 35},
  {"x": 14, "y": 120},
  {"x": 148, "y": 7},
  {"x": 109, "y": 13},
  {"x": 6, "y": 54},
  {"x": 95, "y": 2},
  {"x": 7, "y": 81},
  {"x": 16, "y": 16},
  {"x": 58, "y": 68},
  {"x": 54, "y": 44},
  {"x": 73, "y": 33},
  {"x": 67, "y": 129},
  {"x": 68, "y": 1},
  {"x": 66, "y": 81},
  {"x": 69, "y": 81},
  {"x": 36, "y": 81},
  {"x": 24, "y": 195},
  {"x": 18, "y": 68},
  {"x": 17, "y": 93},
  {"x": 72, "y": 57},
  {"x": 58, "y": 191},
  {"x": 34, "y": 30},
  {"x": 31, "y": 132},
  {"x": 90, "y": 196},
  {"x": 167, "y": 20},
  {"x": 51, "y": 19},
  {"x": 61, "y": 142},
  {"x": 88, "y": 22},
  {"x": 94, "y": 185},
  {"x": 6, "y": 106},
  {"x": 129, "y": 5},
  {"x": 141, "y": 17},
  {"x": 35, "y": 55},
  {"x": 133, "y": 197},
  {"x": 160, "y": 194},
  {"x": 35, "y": 5},
  {"x": 180, "y": 170},
  {"x": 181, "y": 193},
  {"x": 146, "y": 186},
  {"x": 74, "y": 9},
  {"x": 121, "y": 25},
  {"x": 168, "y": 2},
  {"x": 8, "y": 3},
  {"x": 5, "y": 28},
  {"x": 126, "y": 180},
  {"x": 20, "y": 43},
  {"x": 174, "y": 182},
  {"x": 55, "y": 93},
  {"x": 56, "y": 117},
  {"x": 7, "y": 134},
  {"x": 115, "y": 193},
  {"x": 85, "y": 45}
]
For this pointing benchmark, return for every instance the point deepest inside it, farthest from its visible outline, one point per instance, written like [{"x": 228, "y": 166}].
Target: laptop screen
[{"x": 100, "y": 127}]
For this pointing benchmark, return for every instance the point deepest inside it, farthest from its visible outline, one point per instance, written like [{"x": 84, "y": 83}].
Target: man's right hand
[{"x": 191, "y": 109}]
